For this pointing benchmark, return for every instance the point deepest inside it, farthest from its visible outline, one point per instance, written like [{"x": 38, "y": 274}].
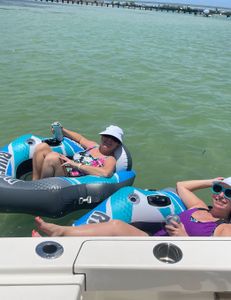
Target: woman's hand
[
  {"x": 176, "y": 229},
  {"x": 68, "y": 162},
  {"x": 217, "y": 179}
]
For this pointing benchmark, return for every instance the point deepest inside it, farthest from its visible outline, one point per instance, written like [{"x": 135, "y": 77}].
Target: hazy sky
[{"x": 219, "y": 3}]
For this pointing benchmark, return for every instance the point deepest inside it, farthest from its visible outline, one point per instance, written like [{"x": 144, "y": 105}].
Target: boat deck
[{"x": 115, "y": 268}]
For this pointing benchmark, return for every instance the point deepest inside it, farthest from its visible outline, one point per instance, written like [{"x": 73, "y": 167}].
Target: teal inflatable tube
[
  {"x": 131, "y": 205},
  {"x": 56, "y": 196}
]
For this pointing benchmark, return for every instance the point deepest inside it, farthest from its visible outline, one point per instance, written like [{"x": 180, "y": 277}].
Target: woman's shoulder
[
  {"x": 109, "y": 160},
  {"x": 223, "y": 229}
]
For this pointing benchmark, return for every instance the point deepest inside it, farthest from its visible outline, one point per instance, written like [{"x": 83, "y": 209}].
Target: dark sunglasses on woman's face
[
  {"x": 112, "y": 138},
  {"x": 217, "y": 188}
]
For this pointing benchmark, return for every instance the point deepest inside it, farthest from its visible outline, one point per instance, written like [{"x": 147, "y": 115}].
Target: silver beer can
[
  {"x": 171, "y": 218},
  {"x": 58, "y": 132}
]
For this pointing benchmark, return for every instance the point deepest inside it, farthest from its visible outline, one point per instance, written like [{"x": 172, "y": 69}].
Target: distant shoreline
[
  {"x": 208, "y": 6},
  {"x": 185, "y": 4},
  {"x": 147, "y": 5}
]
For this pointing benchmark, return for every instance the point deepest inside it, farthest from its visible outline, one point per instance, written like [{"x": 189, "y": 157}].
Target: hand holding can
[
  {"x": 170, "y": 218},
  {"x": 174, "y": 226}
]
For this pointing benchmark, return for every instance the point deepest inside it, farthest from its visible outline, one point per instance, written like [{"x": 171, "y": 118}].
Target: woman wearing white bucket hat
[{"x": 96, "y": 159}]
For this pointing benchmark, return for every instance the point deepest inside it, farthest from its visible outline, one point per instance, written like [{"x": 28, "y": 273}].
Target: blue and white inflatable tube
[
  {"x": 57, "y": 196},
  {"x": 134, "y": 205}
]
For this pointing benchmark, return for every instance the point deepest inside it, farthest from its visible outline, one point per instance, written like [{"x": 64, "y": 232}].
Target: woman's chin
[
  {"x": 104, "y": 150},
  {"x": 220, "y": 205}
]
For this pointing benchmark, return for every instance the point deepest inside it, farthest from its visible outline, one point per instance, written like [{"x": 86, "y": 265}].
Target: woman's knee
[
  {"x": 117, "y": 225},
  {"x": 52, "y": 158},
  {"x": 42, "y": 147}
]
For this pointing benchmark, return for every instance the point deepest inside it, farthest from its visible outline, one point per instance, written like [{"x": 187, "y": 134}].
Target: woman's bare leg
[
  {"x": 111, "y": 228},
  {"x": 40, "y": 153},
  {"x": 52, "y": 166}
]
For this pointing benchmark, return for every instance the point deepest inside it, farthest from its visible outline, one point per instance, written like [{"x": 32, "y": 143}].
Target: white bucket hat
[
  {"x": 115, "y": 131},
  {"x": 227, "y": 181}
]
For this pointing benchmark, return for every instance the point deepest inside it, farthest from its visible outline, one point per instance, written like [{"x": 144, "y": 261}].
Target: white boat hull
[{"x": 114, "y": 268}]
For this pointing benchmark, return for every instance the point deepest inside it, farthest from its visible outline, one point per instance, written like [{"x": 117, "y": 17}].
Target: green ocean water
[{"x": 163, "y": 77}]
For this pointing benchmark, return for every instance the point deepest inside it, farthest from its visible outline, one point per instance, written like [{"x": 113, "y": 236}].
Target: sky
[{"x": 217, "y": 3}]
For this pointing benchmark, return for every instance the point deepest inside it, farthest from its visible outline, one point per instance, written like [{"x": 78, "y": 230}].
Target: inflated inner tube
[
  {"x": 135, "y": 206},
  {"x": 57, "y": 196}
]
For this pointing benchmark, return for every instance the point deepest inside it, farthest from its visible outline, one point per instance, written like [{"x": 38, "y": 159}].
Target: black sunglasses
[
  {"x": 217, "y": 188},
  {"x": 112, "y": 138}
]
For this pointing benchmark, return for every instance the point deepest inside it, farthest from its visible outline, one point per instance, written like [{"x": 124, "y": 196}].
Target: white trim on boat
[{"x": 156, "y": 268}]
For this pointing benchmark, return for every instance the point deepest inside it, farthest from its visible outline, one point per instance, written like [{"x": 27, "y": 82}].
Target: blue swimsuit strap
[{"x": 194, "y": 219}]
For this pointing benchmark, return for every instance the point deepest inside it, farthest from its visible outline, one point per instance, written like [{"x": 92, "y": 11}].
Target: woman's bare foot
[
  {"x": 35, "y": 233},
  {"x": 48, "y": 228}
]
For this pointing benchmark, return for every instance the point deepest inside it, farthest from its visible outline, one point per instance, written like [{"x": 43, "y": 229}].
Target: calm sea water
[{"x": 165, "y": 78}]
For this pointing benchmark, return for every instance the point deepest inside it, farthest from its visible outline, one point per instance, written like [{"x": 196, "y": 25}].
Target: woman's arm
[
  {"x": 185, "y": 190},
  {"x": 106, "y": 170},
  {"x": 78, "y": 138}
]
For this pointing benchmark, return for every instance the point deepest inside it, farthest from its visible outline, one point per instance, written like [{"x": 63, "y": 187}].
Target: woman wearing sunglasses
[
  {"x": 200, "y": 219},
  {"x": 197, "y": 220}
]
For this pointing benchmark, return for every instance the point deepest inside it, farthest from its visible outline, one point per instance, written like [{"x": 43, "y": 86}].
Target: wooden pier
[{"x": 163, "y": 7}]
